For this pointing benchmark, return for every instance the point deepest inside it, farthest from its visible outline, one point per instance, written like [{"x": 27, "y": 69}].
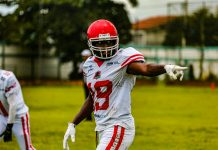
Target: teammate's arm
[
  {"x": 141, "y": 68},
  {"x": 10, "y": 93},
  {"x": 7, "y": 134}
]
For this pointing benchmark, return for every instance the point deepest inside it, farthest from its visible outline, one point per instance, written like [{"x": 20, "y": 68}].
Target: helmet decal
[{"x": 104, "y": 35}]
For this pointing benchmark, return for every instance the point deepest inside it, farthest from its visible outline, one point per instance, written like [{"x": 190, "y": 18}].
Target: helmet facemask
[{"x": 104, "y": 48}]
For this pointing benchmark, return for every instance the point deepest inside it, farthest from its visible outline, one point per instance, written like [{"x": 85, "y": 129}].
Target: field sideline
[{"x": 166, "y": 118}]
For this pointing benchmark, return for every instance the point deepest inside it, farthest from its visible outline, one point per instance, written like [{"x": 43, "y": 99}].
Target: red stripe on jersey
[
  {"x": 24, "y": 132},
  {"x": 98, "y": 61},
  {"x": 9, "y": 88},
  {"x": 131, "y": 57},
  {"x": 137, "y": 58},
  {"x": 112, "y": 139},
  {"x": 5, "y": 113},
  {"x": 121, "y": 138}
]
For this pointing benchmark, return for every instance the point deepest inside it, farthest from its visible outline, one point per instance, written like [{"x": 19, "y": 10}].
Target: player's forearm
[
  {"x": 86, "y": 110},
  {"x": 153, "y": 70},
  {"x": 150, "y": 70}
]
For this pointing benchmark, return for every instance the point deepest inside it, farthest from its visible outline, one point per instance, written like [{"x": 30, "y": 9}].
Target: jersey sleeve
[
  {"x": 86, "y": 68},
  {"x": 12, "y": 86},
  {"x": 131, "y": 55}
]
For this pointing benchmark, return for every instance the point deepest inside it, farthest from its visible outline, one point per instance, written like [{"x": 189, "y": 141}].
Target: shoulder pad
[
  {"x": 129, "y": 51},
  {"x": 130, "y": 55}
]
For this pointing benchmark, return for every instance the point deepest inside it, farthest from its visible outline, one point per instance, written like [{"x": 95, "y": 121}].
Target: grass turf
[{"x": 166, "y": 118}]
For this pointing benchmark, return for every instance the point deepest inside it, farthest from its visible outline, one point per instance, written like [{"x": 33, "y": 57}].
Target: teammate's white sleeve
[
  {"x": 12, "y": 88},
  {"x": 12, "y": 85},
  {"x": 12, "y": 108}
]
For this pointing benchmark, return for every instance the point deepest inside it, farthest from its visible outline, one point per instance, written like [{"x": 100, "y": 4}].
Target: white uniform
[
  {"x": 21, "y": 128},
  {"x": 111, "y": 87}
]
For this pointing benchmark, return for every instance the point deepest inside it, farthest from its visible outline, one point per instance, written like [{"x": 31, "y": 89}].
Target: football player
[
  {"x": 110, "y": 77},
  {"x": 14, "y": 116}
]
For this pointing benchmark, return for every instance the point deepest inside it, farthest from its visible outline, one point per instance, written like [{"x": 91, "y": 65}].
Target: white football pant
[
  {"x": 21, "y": 130},
  {"x": 115, "y": 138}
]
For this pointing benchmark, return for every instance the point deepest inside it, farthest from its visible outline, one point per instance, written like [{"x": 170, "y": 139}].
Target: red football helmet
[{"x": 103, "y": 39}]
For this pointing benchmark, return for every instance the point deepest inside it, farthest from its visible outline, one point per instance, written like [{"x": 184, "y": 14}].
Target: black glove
[{"x": 7, "y": 133}]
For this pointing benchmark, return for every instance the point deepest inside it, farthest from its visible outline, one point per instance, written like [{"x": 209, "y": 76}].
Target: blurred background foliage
[
  {"x": 42, "y": 25},
  {"x": 58, "y": 28},
  {"x": 199, "y": 28}
]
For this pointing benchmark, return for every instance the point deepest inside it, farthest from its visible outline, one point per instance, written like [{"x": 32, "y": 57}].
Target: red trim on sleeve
[
  {"x": 136, "y": 58},
  {"x": 3, "y": 110},
  {"x": 131, "y": 57}
]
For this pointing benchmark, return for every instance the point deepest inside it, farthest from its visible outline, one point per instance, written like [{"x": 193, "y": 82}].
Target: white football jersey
[
  {"x": 110, "y": 87},
  {"x": 10, "y": 85}
]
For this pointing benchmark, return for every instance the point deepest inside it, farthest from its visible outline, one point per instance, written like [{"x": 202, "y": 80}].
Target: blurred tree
[
  {"x": 43, "y": 25},
  {"x": 193, "y": 29},
  {"x": 7, "y": 34},
  {"x": 174, "y": 33},
  {"x": 200, "y": 30},
  {"x": 202, "y": 18}
]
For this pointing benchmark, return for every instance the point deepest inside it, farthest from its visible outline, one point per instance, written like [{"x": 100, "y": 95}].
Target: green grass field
[{"x": 166, "y": 118}]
